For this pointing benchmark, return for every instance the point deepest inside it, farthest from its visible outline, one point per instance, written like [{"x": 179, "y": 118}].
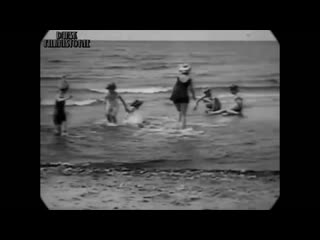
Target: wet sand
[{"x": 66, "y": 187}]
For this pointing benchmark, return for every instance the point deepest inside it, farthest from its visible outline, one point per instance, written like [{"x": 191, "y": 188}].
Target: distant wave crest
[
  {"x": 72, "y": 103},
  {"x": 136, "y": 90}
]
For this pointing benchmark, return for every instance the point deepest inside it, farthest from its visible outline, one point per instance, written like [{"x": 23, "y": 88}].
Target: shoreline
[{"x": 88, "y": 186}]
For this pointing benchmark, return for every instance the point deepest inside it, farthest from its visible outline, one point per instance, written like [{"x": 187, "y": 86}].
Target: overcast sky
[{"x": 171, "y": 35}]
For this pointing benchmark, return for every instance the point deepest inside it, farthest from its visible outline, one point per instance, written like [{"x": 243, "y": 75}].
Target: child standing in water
[
  {"x": 112, "y": 103},
  {"x": 235, "y": 108},
  {"x": 180, "y": 96},
  {"x": 59, "y": 116},
  {"x": 212, "y": 103}
]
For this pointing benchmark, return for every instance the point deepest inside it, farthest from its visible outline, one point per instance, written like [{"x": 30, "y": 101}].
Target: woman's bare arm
[
  {"x": 63, "y": 99},
  {"x": 230, "y": 111},
  {"x": 191, "y": 88},
  {"x": 197, "y": 102}
]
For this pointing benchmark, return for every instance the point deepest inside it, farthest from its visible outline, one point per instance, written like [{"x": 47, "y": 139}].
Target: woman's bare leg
[
  {"x": 58, "y": 129},
  {"x": 216, "y": 112},
  {"x": 184, "y": 121},
  {"x": 184, "y": 108},
  {"x": 224, "y": 112},
  {"x": 64, "y": 127},
  {"x": 178, "y": 106}
]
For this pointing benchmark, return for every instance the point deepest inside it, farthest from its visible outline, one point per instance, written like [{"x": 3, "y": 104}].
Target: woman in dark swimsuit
[
  {"x": 180, "y": 96},
  {"x": 59, "y": 116}
]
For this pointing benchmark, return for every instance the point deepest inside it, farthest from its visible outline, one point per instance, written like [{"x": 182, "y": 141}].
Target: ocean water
[{"x": 147, "y": 71}]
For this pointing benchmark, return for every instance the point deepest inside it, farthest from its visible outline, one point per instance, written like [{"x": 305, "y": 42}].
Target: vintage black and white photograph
[{"x": 159, "y": 120}]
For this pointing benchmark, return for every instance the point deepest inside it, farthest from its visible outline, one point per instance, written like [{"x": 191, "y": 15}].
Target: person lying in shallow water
[
  {"x": 212, "y": 103},
  {"x": 235, "y": 108},
  {"x": 135, "y": 116}
]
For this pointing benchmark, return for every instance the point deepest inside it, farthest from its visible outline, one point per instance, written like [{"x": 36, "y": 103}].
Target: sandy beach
[{"x": 86, "y": 188}]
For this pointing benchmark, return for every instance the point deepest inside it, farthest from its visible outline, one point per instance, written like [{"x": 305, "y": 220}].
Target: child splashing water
[
  {"x": 59, "y": 116},
  {"x": 135, "y": 117},
  {"x": 112, "y": 103},
  {"x": 212, "y": 103}
]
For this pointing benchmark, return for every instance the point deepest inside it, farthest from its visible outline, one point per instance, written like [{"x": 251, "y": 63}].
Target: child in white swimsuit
[{"x": 112, "y": 103}]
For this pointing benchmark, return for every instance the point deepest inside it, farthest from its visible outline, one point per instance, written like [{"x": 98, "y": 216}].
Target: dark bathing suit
[
  {"x": 238, "y": 107},
  {"x": 214, "y": 105},
  {"x": 180, "y": 92},
  {"x": 59, "y": 113}
]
